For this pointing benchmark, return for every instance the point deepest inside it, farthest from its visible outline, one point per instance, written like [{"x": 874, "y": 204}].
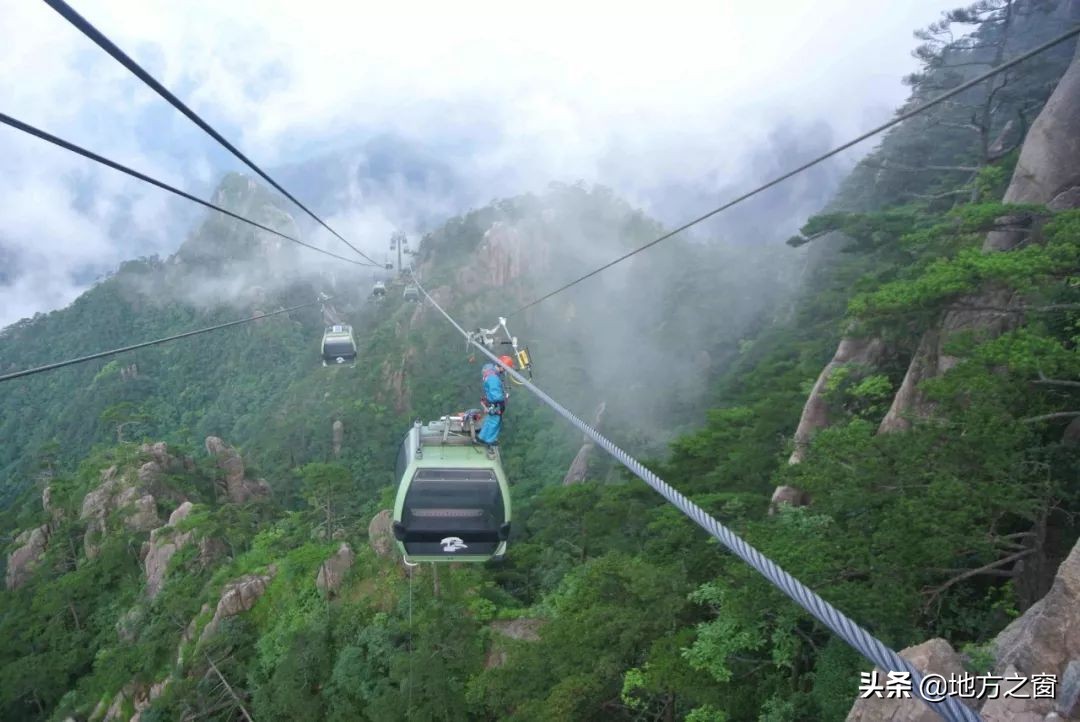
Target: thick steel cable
[
  {"x": 186, "y": 334},
  {"x": 949, "y": 708},
  {"x": 907, "y": 115},
  {"x": 84, "y": 26},
  {"x": 78, "y": 150}
]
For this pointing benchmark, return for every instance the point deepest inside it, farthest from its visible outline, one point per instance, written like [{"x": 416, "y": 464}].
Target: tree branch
[
  {"x": 939, "y": 196},
  {"x": 981, "y": 570},
  {"x": 1050, "y": 417},
  {"x": 985, "y": 573},
  {"x": 996, "y": 156},
  {"x": 889, "y": 165},
  {"x": 1020, "y": 309},
  {"x": 229, "y": 688},
  {"x": 1057, "y": 382}
]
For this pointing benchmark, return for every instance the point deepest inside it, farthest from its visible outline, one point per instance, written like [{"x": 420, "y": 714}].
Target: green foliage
[
  {"x": 329, "y": 490},
  {"x": 639, "y": 615},
  {"x": 707, "y": 713},
  {"x": 945, "y": 279},
  {"x": 979, "y": 659}
]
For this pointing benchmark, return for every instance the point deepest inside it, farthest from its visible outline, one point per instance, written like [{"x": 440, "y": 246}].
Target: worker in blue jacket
[{"x": 494, "y": 399}]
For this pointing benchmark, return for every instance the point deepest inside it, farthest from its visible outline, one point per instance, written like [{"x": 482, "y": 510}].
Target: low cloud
[{"x": 688, "y": 98}]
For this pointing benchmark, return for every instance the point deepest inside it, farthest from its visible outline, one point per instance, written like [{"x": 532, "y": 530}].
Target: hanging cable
[
  {"x": 84, "y": 26},
  {"x": 186, "y": 334},
  {"x": 48, "y": 137},
  {"x": 950, "y": 708},
  {"x": 412, "y": 679},
  {"x": 907, "y": 115}
]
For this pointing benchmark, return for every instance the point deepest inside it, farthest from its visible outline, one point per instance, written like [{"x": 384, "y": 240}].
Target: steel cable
[{"x": 949, "y": 708}]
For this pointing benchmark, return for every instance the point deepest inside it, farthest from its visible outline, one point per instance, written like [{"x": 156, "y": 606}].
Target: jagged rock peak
[
  {"x": 223, "y": 241},
  {"x": 164, "y": 542},
  {"x": 233, "y": 485},
  {"x": 338, "y": 437},
  {"x": 381, "y": 534},
  {"x": 239, "y": 596},
  {"x": 135, "y": 491},
  {"x": 332, "y": 571},
  {"x": 787, "y": 495},
  {"x": 21, "y": 563}
]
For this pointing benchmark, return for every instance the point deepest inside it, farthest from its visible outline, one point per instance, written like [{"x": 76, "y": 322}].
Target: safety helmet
[{"x": 507, "y": 361}]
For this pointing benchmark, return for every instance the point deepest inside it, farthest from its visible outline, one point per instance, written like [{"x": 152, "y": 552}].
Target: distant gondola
[
  {"x": 453, "y": 500},
  {"x": 412, "y": 293},
  {"x": 338, "y": 345},
  {"x": 379, "y": 290}
]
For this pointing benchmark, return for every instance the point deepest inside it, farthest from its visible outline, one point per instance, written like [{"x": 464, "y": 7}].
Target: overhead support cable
[
  {"x": 84, "y": 26},
  {"x": 949, "y": 708},
  {"x": 48, "y": 137},
  {"x": 155, "y": 342},
  {"x": 907, "y": 115}
]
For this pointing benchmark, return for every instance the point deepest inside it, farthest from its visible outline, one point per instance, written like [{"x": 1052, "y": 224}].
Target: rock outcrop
[
  {"x": 867, "y": 352},
  {"x": 788, "y": 495},
  {"x": 394, "y": 376},
  {"x": 233, "y": 485},
  {"x": 21, "y": 563},
  {"x": 579, "y": 467},
  {"x": 31, "y": 544},
  {"x": 238, "y": 596},
  {"x": 332, "y": 571},
  {"x": 381, "y": 534},
  {"x": 135, "y": 491},
  {"x": 936, "y": 656},
  {"x": 524, "y": 630},
  {"x": 127, "y": 627},
  {"x": 1048, "y": 171},
  {"x": 140, "y": 696},
  {"x": 55, "y": 513},
  {"x": 95, "y": 507},
  {"x": 211, "y": 549},
  {"x": 338, "y": 437},
  {"x": 152, "y": 473},
  {"x": 143, "y": 516},
  {"x": 164, "y": 542},
  {"x": 142, "y": 701},
  {"x": 505, "y": 251},
  {"x": 1044, "y": 640}
]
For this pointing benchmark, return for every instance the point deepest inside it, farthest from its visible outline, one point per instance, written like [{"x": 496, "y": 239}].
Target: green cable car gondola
[
  {"x": 453, "y": 500},
  {"x": 338, "y": 345}
]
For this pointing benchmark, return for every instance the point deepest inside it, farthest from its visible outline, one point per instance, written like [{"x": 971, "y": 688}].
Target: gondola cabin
[
  {"x": 379, "y": 290},
  {"x": 338, "y": 345},
  {"x": 453, "y": 500},
  {"x": 412, "y": 293}
]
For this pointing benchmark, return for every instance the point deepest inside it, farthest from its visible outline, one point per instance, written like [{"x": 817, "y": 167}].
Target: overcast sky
[{"x": 687, "y": 95}]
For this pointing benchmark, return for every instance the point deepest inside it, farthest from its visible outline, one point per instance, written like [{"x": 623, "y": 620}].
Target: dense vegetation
[{"x": 639, "y": 615}]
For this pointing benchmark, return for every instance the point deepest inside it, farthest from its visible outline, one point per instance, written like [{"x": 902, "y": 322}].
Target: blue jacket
[{"x": 493, "y": 385}]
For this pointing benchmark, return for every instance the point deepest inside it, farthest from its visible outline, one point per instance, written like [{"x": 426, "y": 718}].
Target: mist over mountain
[{"x": 469, "y": 111}]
